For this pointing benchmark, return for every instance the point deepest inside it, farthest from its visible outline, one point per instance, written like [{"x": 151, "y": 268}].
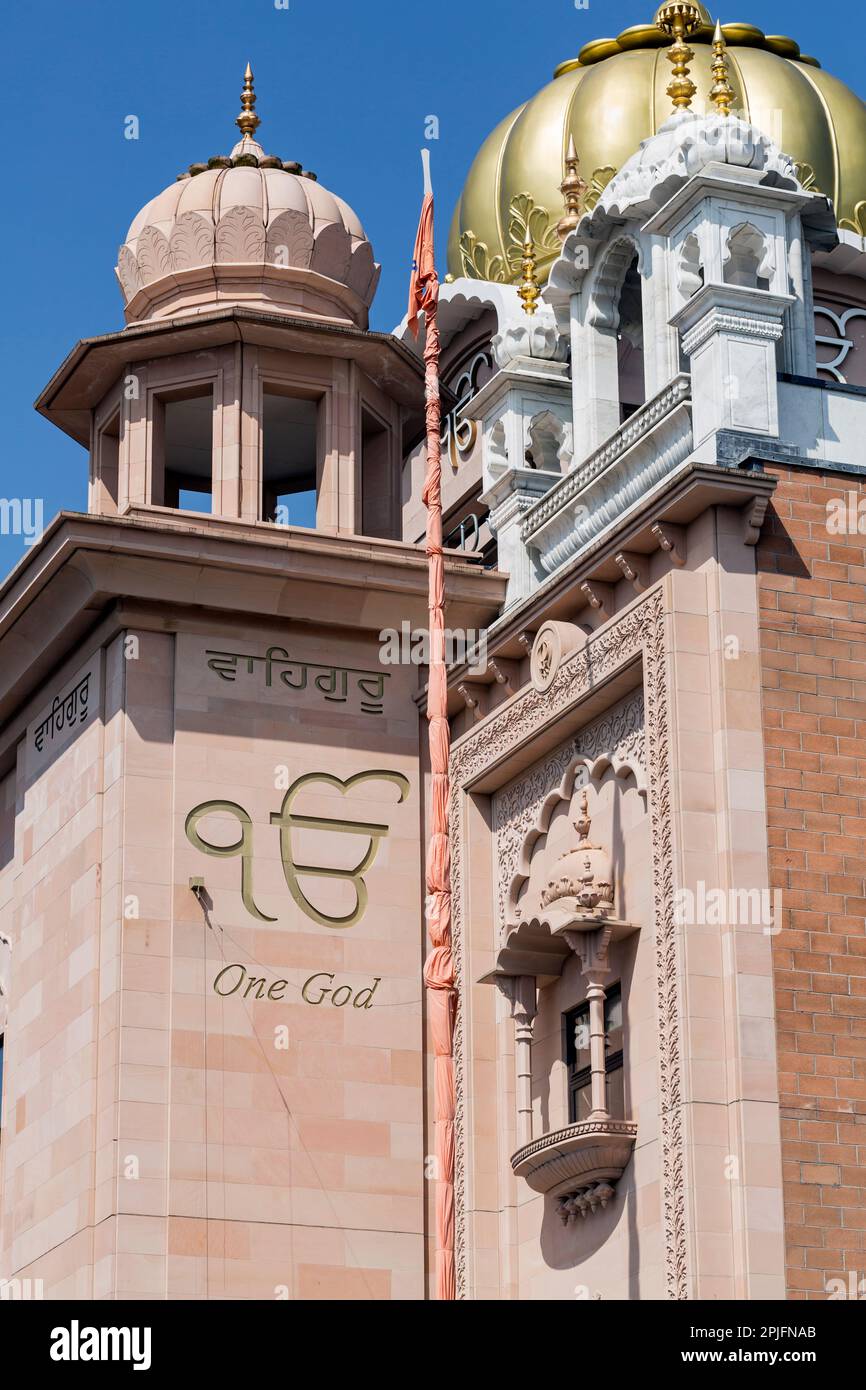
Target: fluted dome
[
  {"x": 613, "y": 96},
  {"x": 247, "y": 228}
]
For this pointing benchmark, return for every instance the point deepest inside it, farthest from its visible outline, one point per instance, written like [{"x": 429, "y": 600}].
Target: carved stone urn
[{"x": 583, "y": 873}]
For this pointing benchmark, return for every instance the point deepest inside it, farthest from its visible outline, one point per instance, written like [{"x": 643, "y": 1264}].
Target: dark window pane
[
  {"x": 616, "y": 1092},
  {"x": 613, "y": 1020}
]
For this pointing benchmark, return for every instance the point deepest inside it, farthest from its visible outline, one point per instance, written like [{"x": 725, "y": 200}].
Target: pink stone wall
[{"x": 161, "y": 1140}]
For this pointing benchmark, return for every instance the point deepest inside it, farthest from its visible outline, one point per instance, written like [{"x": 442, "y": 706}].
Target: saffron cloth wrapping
[{"x": 439, "y": 965}]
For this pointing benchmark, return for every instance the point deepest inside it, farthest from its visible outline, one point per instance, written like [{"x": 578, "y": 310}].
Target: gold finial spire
[
  {"x": 679, "y": 19},
  {"x": 248, "y": 122},
  {"x": 572, "y": 188},
  {"x": 721, "y": 92},
  {"x": 528, "y": 287}
]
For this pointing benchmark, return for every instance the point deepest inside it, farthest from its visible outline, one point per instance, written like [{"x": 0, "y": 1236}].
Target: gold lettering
[
  {"x": 224, "y": 993},
  {"x": 287, "y": 821},
  {"x": 322, "y": 991},
  {"x": 242, "y": 847}
]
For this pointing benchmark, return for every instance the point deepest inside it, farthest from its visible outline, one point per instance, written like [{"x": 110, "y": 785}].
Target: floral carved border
[{"x": 640, "y": 632}]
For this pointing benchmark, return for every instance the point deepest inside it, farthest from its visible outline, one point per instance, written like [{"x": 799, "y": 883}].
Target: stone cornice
[
  {"x": 719, "y": 321},
  {"x": 94, "y": 364},
  {"x": 685, "y": 494},
  {"x": 85, "y": 565}
]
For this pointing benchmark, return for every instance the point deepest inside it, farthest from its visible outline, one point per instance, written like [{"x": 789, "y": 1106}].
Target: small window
[
  {"x": 289, "y": 458},
  {"x": 187, "y": 451},
  {"x": 577, "y": 1058},
  {"x": 378, "y": 490},
  {"x": 630, "y": 344},
  {"x": 106, "y": 479}
]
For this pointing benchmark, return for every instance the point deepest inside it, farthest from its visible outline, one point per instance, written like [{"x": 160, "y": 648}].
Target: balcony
[
  {"x": 580, "y": 1165},
  {"x": 636, "y": 463}
]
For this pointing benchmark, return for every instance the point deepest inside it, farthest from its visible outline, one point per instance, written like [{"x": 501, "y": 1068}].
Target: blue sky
[{"x": 338, "y": 90}]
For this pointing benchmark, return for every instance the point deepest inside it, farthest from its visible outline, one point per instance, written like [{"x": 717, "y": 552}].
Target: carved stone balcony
[
  {"x": 580, "y": 1164},
  {"x": 639, "y": 459}
]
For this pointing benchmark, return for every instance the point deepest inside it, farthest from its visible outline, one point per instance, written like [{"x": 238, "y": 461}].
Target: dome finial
[
  {"x": 572, "y": 188},
  {"x": 528, "y": 289},
  {"x": 721, "y": 92},
  {"x": 679, "y": 19},
  {"x": 248, "y": 122}
]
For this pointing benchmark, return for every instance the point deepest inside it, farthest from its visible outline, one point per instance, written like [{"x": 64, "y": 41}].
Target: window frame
[{"x": 579, "y": 1080}]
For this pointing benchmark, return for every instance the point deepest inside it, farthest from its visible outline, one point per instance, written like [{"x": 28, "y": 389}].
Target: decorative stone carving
[
  {"x": 584, "y": 1200},
  {"x": 649, "y": 447},
  {"x": 246, "y": 208},
  {"x": 128, "y": 273},
  {"x": 240, "y": 236},
  {"x": 553, "y": 642},
  {"x": 616, "y": 739},
  {"x": 191, "y": 241},
  {"x": 522, "y": 810},
  {"x": 570, "y": 1162},
  {"x": 363, "y": 271},
  {"x": 583, "y": 873},
  {"x": 640, "y": 631},
  {"x": 332, "y": 250},
  {"x": 537, "y": 338},
  {"x": 290, "y": 240},
  {"x": 747, "y": 256},
  {"x": 153, "y": 255},
  {"x": 690, "y": 275}
]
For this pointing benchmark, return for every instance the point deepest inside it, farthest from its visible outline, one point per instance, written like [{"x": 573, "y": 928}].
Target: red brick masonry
[{"x": 812, "y": 590}]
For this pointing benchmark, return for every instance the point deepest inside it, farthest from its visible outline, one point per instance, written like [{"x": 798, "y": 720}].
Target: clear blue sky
[{"x": 338, "y": 90}]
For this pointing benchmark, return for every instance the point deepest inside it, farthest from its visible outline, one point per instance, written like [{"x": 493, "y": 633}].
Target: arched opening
[
  {"x": 630, "y": 343},
  {"x": 690, "y": 271},
  {"x": 748, "y": 261}
]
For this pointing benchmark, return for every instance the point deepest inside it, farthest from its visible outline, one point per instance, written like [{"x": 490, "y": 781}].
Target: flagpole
[{"x": 439, "y": 966}]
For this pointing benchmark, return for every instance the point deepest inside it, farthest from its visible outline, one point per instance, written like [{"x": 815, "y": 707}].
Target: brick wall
[{"x": 812, "y": 589}]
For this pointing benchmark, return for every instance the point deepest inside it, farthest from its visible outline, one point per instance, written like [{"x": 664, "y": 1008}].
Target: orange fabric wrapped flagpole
[{"x": 439, "y": 966}]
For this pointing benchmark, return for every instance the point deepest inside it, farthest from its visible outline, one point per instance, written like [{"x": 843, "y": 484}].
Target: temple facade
[{"x": 217, "y": 1078}]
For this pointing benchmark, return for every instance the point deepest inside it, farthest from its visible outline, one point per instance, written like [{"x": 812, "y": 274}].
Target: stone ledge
[{"x": 572, "y": 1160}]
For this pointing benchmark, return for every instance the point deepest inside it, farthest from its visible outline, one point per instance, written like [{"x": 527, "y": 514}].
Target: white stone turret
[{"x": 711, "y": 222}]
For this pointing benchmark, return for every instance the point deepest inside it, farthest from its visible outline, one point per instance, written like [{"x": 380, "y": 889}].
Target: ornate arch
[
  {"x": 522, "y": 812},
  {"x": 605, "y": 285},
  {"x": 638, "y": 634}
]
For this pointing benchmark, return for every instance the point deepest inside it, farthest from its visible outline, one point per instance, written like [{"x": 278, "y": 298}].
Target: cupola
[{"x": 247, "y": 228}]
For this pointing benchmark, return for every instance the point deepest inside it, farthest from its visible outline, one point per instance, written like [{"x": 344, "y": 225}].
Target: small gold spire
[
  {"x": 572, "y": 188},
  {"x": 721, "y": 92},
  {"x": 679, "y": 19},
  {"x": 528, "y": 289},
  {"x": 248, "y": 122}
]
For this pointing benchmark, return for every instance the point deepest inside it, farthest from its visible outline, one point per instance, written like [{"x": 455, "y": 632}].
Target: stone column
[
  {"x": 522, "y": 994},
  {"x": 509, "y": 499},
  {"x": 595, "y": 993},
  {"x": 591, "y": 948},
  {"x": 729, "y": 333}
]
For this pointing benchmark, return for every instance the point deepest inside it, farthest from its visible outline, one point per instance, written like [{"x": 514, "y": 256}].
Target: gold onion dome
[{"x": 613, "y": 96}]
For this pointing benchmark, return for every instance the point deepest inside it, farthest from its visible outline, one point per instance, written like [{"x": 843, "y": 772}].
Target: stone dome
[
  {"x": 613, "y": 96},
  {"x": 247, "y": 228}
]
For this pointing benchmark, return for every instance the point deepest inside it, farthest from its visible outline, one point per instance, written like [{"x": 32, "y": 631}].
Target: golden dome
[{"x": 612, "y": 96}]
